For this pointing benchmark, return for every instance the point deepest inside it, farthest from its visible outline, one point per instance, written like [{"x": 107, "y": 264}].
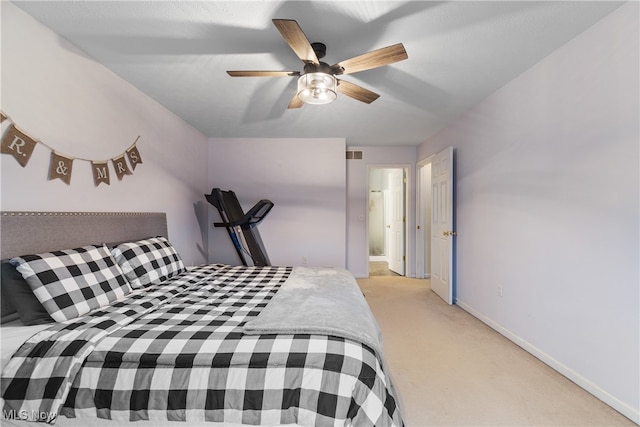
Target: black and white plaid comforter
[{"x": 176, "y": 352}]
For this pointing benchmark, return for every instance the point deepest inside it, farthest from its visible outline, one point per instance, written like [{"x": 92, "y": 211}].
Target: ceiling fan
[{"x": 317, "y": 83}]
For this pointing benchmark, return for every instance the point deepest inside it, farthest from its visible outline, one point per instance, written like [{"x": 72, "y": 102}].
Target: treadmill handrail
[{"x": 252, "y": 218}]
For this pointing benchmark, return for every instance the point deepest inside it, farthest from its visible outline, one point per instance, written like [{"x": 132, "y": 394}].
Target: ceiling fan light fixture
[{"x": 317, "y": 88}]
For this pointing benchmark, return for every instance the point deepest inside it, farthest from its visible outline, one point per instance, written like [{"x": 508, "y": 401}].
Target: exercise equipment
[{"x": 242, "y": 227}]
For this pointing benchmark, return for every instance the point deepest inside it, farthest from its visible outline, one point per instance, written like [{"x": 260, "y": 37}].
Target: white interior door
[
  {"x": 395, "y": 221},
  {"x": 442, "y": 232}
]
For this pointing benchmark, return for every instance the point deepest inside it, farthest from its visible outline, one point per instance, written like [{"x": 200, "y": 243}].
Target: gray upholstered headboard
[{"x": 23, "y": 233}]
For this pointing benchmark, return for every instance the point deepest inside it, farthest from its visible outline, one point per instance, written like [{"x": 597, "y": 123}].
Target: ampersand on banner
[{"x": 60, "y": 167}]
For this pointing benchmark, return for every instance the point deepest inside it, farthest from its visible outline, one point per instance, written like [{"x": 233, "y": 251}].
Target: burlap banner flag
[
  {"x": 134, "y": 156},
  {"x": 60, "y": 167},
  {"x": 100, "y": 172},
  {"x": 18, "y": 144},
  {"x": 120, "y": 165}
]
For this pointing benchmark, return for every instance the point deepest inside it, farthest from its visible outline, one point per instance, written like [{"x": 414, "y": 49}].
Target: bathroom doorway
[{"x": 387, "y": 221}]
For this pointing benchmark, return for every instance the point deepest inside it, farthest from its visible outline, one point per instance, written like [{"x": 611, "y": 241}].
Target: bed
[{"x": 106, "y": 326}]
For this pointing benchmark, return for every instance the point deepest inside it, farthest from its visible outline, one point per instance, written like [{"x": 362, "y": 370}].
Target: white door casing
[
  {"x": 423, "y": 220},
  {"x": 442, "y": 233}
]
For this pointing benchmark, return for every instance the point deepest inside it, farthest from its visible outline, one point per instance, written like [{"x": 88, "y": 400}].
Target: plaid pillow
[
  {"x": 71, "y": 283},
  {"x": 148, "y": 261}
]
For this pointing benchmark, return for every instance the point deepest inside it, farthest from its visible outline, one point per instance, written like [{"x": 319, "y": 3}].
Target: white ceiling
[{"x": 459, "y": 52}]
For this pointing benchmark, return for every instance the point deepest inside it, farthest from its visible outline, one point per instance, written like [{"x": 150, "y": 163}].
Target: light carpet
[{"x": 452, "y": 370}]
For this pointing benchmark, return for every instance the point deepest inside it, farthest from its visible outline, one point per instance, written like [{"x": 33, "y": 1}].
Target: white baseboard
[{"x": 632, "y": 413}]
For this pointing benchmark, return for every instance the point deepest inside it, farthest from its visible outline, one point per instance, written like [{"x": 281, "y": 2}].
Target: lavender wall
[
  {"x": 303, "y": 177},
  {"x": 547, "y": 197},
  {"x": 57, "y": 94}
]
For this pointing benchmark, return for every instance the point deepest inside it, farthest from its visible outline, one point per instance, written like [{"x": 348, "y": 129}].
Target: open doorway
[
  {"x": 387, "y": 221},
  {"x": 423, "y": 220}
]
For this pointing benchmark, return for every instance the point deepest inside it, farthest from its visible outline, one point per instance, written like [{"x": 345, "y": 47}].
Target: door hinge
[{"x": 404, "y": 258}]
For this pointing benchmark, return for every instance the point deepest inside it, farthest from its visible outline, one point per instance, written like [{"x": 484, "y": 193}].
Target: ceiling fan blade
[
  {"x": 263, "y": 73},
  {"x": 374, "y": 59},
  {"x": 293, "y": 34},
  {"x": 356, "y": 92},
  {"x": 295, "y": 102}
]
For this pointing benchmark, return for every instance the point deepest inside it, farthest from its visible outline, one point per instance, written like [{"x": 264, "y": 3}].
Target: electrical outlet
[{"x": 499, "y": 290}]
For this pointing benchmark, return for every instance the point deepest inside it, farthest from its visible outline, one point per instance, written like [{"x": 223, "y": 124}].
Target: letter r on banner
[
  {"x": 120, "y": 165},
  {"x": 18, "y": 144}
]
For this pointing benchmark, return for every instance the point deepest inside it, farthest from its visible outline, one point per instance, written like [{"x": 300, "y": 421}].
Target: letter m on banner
[{"x": 100, "y": 172}]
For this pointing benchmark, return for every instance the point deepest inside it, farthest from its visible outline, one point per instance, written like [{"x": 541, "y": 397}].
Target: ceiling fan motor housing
[
  {"x": 320, "y": 49},
  {"x": 322, "y": 67}
]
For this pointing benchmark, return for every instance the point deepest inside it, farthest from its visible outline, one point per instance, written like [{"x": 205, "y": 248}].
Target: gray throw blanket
[{"x": 323, "y": 301}]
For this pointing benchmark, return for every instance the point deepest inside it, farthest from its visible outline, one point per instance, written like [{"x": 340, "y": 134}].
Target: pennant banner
[
  {"x": 60, "y": 167},
  {"x": 18, "y": 144},
  {"x": 134, "y": 156},
  {"x": 100, "y": 172},
  {"x": 120, "y": 165},
  {"x": 21, "y": 146}
]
